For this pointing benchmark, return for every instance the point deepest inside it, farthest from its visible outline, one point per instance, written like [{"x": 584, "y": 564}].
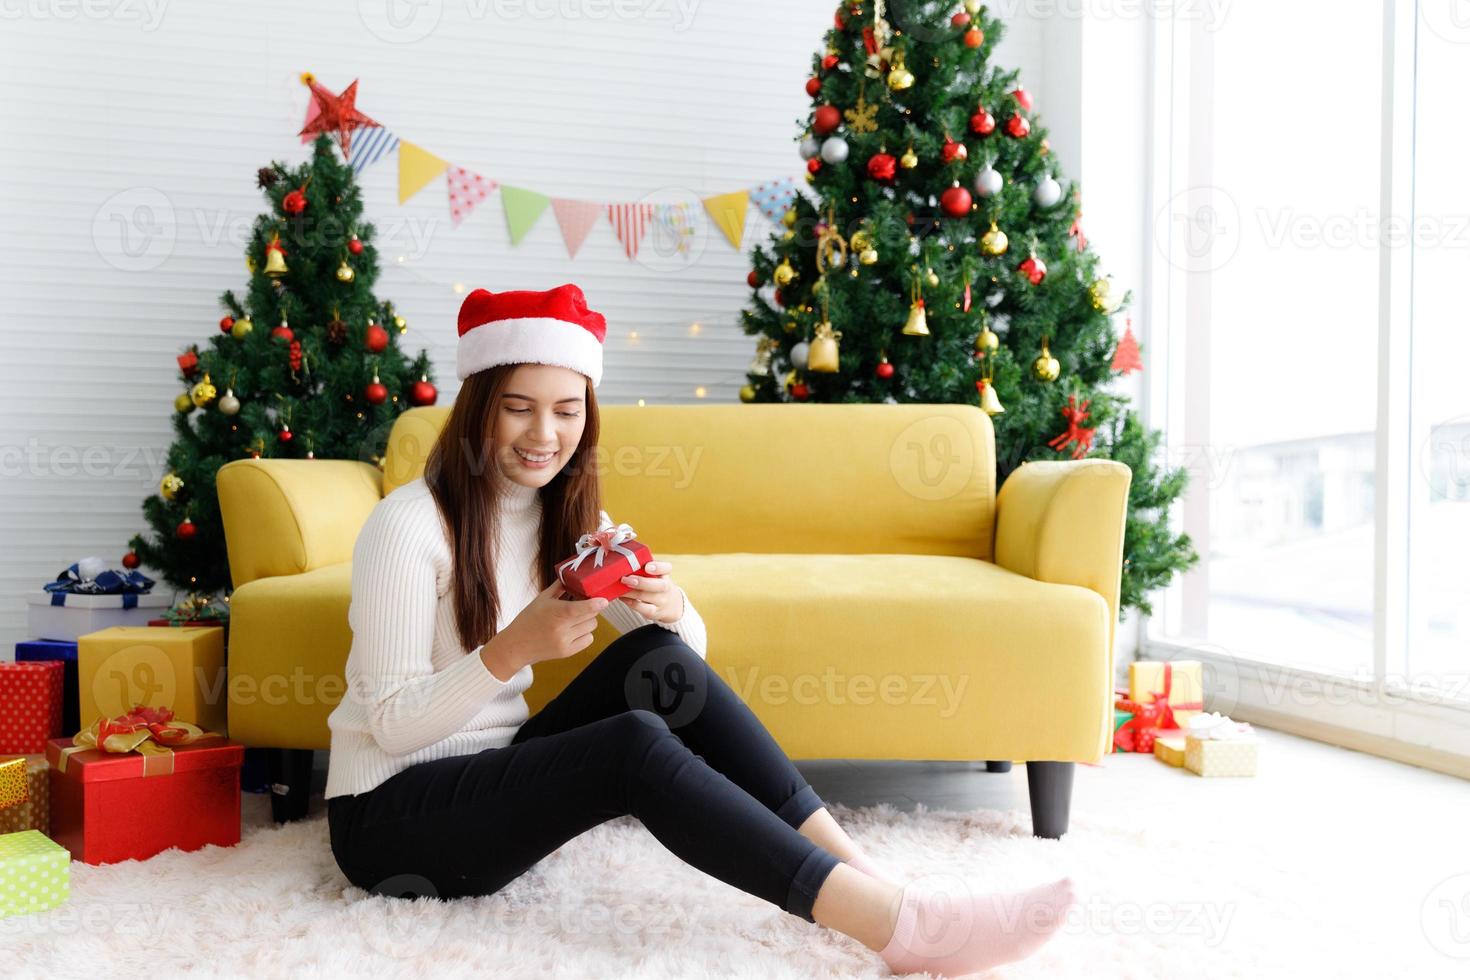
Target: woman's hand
[
  {"x": 653, "y": 595},
  {"x": 549, "y": 628}
]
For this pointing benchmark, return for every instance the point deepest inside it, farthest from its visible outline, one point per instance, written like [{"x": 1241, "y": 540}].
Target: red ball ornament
[
  {"x": 982, "y": 122},
  {"x": 960, "y": 19},
  {"x": 813, "y": 86},
  {"x": 282, "y": 333},
  {"x": 354, "y": 246},
  {"x": 186, "y": 530},
  {"x": 780, "y": 300},
  {"x": 1022, "y": 97},
  {"x": 285, "y": 435},
  {"x": 881, "y": 167},
  {"x": 225, "y": 323},
  {"x": 294, "y": 202},
  {"x": 800, "y": 391},
  {"x": 376, "y": 338},
  {"x": 839, "y": 20},
  {"x": 422, "y": 392},
  {"x": 1018, "y": 126},
  {"x": 376, "y": 392},
  {"x": 974, "y": 37},
  {"x": 829, "y": 62},
  {"x": 1033, "y": 269},
  {"x": 955, "y": 201},
  {"x": 130, "y": 560},
  {"x": 825, "y": 120},
  {"x": 884, "y": 369},
  {"x": 813, "y": 165},
  {"x": 753, "y": 279},
  {"x": 953, "y": 152}
]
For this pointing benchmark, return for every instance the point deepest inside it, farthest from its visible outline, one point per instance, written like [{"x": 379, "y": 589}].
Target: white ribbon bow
[
  {"x": 1218, "y": 726},
  {"x": 599, "y": 545}
]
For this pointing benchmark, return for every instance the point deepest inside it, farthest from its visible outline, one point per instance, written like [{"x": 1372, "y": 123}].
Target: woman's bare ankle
[{"x": 858, "y": 906}]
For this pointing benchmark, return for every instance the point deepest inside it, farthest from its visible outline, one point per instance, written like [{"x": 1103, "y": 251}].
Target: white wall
[{"x": 158, "y": 113}]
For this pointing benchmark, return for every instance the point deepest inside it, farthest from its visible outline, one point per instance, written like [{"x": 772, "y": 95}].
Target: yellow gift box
[
  {"x": 1182, "y": 679},
  {"x": 35, "y": 812},
  {"x": 1169, "y": 749},
  {"x": 177, "y": 667},
  {"x": 13, "y": 791},
  {"x": 1220, "y": 756}
]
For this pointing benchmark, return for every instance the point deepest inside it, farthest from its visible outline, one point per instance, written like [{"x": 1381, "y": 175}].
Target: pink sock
[
  {"x": 872, "y": 868},
  {"x": 952, "y": 933}
]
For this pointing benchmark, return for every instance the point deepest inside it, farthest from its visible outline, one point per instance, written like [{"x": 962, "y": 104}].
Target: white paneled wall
[{"x": 131, "y": 130}]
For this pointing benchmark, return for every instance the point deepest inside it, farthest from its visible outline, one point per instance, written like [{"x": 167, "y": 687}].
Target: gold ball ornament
[
  {"x": 249, "y": 265},
  {"x": 972, "y": 7},
  {"x": 170, "y": 485},
  {"x": 1046, "y": 367},
  {"x": 784, "y": 273},
  {"x": 789, "y": 218},
  {"x": 400, "y": 323},
  {"x": 182, "y": 402},
  {"x": 747, "y": 393},
  {"x": 899, "y": 77},
  {"x": 345, "y": 273},
  {"x": 909, "y": 160},
  {"x": 242, "y": 328},
  {"x": 931, "y": 277},
  {"x": 987, "y": 342},
  {"x": 203, "y": 393},
  {"x": 994, "y": 242},
  {"x": 868, "y": 256},
  {"x": 860, "y": 240},
  {"x": 1101, "y": 292}
]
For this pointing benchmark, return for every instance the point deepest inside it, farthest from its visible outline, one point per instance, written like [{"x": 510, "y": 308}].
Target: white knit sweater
[{"x": 414, "y": 693}]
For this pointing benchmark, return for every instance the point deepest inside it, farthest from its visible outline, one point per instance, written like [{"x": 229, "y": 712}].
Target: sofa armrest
[
  {"x": 285, "y": 516},
  {"x": 1062, "y": 521}
]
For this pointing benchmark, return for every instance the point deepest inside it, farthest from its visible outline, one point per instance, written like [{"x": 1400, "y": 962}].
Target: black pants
[{"x": 646, "y": 729}]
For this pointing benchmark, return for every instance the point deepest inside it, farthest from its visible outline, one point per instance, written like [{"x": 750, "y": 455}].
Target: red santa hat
[{"x": 526, "y": 326}]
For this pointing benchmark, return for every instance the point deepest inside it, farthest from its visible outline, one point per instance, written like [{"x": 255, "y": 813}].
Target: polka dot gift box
[
  {"x": 30, "y": 705},
  {"x": 35, "y": 873}
]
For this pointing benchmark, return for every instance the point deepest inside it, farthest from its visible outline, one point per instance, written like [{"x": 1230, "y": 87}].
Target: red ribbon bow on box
[
  {"x": 600, "y": 544},
  {"x": 1166, "y": 715},
  {"x": 1137, "y": 733},
  {"x": 150, "y": 732}
]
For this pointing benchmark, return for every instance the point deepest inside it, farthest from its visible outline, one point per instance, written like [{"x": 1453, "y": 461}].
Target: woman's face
[{"x": 541, "y": 415}]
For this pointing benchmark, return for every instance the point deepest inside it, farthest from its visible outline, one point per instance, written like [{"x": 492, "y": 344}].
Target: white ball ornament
[
  {"x": 810, "y": 146},
  {"x": 988, "y": 182},
  {"x": 834, "y": 149},
  {"x": 229, "y": 404},
  {"x": 799, "y": 352},
  {"x": 1048, "y": 192}
]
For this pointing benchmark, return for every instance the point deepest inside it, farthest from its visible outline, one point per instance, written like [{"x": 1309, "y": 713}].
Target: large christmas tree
[
  {"x": 307, "y": 365},
  {"x": 941, "y": 259}
]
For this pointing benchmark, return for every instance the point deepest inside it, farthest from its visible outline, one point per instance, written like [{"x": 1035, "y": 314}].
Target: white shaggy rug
[{"x": 1158, "y": 900}]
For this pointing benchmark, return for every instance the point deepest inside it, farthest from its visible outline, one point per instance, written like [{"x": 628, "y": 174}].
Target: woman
[{"x": 439, "y": 782}]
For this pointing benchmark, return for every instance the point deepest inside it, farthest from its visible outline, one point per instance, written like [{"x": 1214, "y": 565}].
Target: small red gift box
[
  {"x": 30, "y": 705},
  {"x": 601, "y": 561},
  {"x": 112, "y": 806}
]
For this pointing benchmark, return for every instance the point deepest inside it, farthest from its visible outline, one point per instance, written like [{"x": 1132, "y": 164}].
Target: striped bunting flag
[
  {"x": 369, "y": 146},
  {"x": 630, "y": 222}
]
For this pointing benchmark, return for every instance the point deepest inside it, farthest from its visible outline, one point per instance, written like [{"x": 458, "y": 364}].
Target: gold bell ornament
[
  {"x": 989, "y": 400},
  {"x": 917, "y": 325},
  {"x": 899, "y": 77},
  {"x": 275, "y": 258},
  {"x": 203, "y": 393},
  {"x": 345, "y": 273},
  {"x": 1046, "y": 367},
  {"x": 994, "y": 241},
  {"x": 822, "y": 355},
  {"x": 760, "y": 365},
  {"x": 783, "y": 274}
]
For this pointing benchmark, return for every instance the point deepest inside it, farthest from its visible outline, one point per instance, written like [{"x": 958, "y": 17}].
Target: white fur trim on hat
[{"x": 530, "y": 340}]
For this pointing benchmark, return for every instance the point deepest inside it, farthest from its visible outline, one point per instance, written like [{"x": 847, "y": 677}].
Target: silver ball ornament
[
  {"x": 988, "y": 182},
  {"x": 810, "y": 146},
  {"x": 834, "y": 149},
  {"x": 1048, "y": 192},
  {"x": 799, "y": 352}
]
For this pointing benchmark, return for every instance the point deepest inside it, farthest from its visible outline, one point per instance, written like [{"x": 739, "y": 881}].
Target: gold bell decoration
[
  {"x": 909, "y": 160},
  {"x": 899, "y": 77},
  {"x": 822, "y": 355},
  {"x": 784, "y": 273},
  {"x": 242, "y": 328},
  {"x": 760, "y": 365},
  {"x": 917, "y": 325},
  {"x": 275, "y": 258},
  {"x": 345, "y": 273},
  {"x": 994, "y": 241},
  {"x": 203, "y": 393},
  {"x": 989, "y": 400},
  {"x": 986, "y": 342},
  {"x": 1046, "y": 367},
  {"x": 170, "y": 485}
]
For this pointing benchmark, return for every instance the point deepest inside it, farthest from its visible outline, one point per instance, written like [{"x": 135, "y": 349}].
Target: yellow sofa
[{"x": 866, "y": 591}]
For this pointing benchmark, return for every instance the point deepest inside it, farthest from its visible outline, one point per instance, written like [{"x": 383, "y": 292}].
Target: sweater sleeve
[
  {"x": 689, "y": 627},
  {"x": 409, "y": 704}
]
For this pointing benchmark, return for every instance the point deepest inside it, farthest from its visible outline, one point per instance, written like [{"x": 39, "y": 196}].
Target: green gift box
[
  {"x": 35, "y": 873},
  {"x": 1120, "y": 718}
]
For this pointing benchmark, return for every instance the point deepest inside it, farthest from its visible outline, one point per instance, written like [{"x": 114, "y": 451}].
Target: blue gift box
[{"x": 65, "y": 651}]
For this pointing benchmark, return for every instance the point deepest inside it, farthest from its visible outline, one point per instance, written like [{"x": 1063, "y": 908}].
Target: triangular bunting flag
[
  {"x": 466, "y": 189},
  {"x": 576, "y": 219},
  {"x": 630, "y": 222},
  {"x": 522, "y": 208},
  {"x": 774, "y": 197},
  {"x": 369, "y": 147},
  {"x": 728, "y": 214},
  {"x": 416, "y": 167}
]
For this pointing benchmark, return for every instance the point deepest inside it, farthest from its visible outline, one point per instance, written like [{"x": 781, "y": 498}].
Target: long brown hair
[{"x": 461, "y": 474}]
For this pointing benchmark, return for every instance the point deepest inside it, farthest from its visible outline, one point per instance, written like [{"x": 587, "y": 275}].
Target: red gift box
[
  {"x": 601, "y": 561},
  {"x": 105, "y": 807},
  {"x": 30, "y": 705}
]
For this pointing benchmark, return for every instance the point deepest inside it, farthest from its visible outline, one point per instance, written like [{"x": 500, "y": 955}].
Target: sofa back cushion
[{"x": 769, "y": 478}]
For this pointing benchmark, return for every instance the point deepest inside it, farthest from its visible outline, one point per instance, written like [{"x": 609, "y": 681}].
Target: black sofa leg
[
  {"x": 1050, "y": 785},
  {"x": 995, "y": 766},
  {"x": 290, "y": 775}
]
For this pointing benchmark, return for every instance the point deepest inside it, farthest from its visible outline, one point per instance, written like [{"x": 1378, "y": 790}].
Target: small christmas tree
[
  {"x": 306, "y": 366},
  {"x": 946, "y": 253}
]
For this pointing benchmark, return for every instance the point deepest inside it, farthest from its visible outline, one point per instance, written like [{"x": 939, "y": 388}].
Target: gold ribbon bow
[{"x": 151, "y": 732}]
